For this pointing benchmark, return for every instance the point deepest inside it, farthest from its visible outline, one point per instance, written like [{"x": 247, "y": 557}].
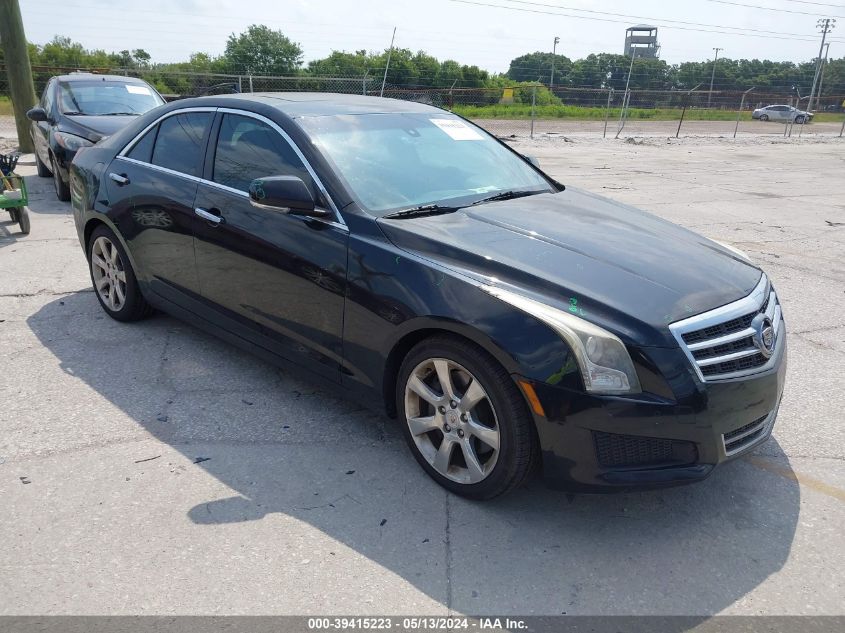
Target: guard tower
[{"x": 641, "y": 40}]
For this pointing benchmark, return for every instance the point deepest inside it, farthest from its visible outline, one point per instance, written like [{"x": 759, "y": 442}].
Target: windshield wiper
[
  {"x": 426, "y": 209},
  {"x": 505, "y": 195},
  {"x": 437, "y": 209},
  {"x": 119, "y": 114},
  {"x": 73, "y": 113}
]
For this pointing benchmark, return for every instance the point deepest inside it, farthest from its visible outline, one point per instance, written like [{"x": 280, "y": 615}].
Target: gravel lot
[{"x": 150, "y": 469}]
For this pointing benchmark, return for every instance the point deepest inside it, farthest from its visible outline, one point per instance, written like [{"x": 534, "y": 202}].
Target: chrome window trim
[
  {"x": 131, "y": 144},
  {"x": 164, "y": 170},
  {"x": 338, "y": 220},
  {"x": 739, "y": 308}
]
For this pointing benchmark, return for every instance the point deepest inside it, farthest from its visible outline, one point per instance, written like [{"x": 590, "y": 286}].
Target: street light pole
[
  {"x": 826, "y": 25},
  {"x": 554, "y": 52},
  {"x": 713, "y": 75}
]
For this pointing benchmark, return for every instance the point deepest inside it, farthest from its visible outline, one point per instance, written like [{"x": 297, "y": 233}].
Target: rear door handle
[
  {"x": 120, "y": 179},
  {"x": 205, "y": 214}
]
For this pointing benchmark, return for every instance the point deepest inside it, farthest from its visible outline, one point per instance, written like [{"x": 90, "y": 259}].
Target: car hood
[
  {"x": 94, "y": 128},
  {"x": 616, "y": 265}
]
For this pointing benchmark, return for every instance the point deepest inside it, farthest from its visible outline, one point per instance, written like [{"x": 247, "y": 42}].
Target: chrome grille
[{"x": 721, "y": 343}]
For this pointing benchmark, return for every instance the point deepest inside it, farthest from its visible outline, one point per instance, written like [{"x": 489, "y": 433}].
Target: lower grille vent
[
  {"x": 615, "y": 450},
  {"x": 744, "y": 436}
]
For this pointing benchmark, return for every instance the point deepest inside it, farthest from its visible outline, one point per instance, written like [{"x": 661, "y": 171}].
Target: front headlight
[
  {"x": 71, "y": 142},
  {"x": 605, "y": 364}
]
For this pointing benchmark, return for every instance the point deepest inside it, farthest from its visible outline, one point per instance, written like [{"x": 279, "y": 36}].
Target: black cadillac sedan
[
  {"x": 76, "y": 111},
  {"x": 403, "y": 255}
]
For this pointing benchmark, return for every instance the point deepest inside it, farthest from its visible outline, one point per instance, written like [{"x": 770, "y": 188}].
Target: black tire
[
  {"x": 43, "y": 170},
  {"x": 518, "y": 444},
  {"x": 799, "y": 120},
  {"x": 62, "y": 188},
  {"x": 764, "y": 117},
  {"x": 23, "y": 220},
  {"x": 14, "y": 214},
  {"x": 134, "y": 306}
]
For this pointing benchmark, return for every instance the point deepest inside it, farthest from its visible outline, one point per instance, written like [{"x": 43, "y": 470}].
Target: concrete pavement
[{"x": 148, "y": 468}]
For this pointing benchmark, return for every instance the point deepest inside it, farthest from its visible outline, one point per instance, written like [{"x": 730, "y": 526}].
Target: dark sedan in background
[
  {"x": 79, "y": 109},
  {"x": 408, "y": 258}
]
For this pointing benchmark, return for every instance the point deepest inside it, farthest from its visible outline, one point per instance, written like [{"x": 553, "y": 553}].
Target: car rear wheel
[
  {"x": 764, "y": 117},
  {"x": 62, "y": 188},
  {"x": 43, "y": 170},
  {"x": 114, "y": 280},
  {"x": 464, "y": 419}
]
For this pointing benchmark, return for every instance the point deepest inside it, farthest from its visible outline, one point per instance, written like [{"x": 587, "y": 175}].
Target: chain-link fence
[{"x": 519, "y": 111}]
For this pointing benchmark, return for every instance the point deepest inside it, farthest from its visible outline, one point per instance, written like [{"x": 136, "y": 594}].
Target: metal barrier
[{"x": 510, "y": 112}]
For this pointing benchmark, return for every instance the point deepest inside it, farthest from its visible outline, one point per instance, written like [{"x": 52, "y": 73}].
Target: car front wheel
[
  {"x": 114, "y": 280},
  {"x": 62, "y": 188},
  {"x": 764, "y": 117},
  {"x": 464, "y": 418},
  {"x": 43, "y": 170}
]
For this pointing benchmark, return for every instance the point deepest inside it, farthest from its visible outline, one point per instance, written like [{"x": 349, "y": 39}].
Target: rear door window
[{"x": 180, "y": 142}]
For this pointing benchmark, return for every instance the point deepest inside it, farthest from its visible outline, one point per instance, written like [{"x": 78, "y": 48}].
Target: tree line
[{"x": 262, "y": 51}]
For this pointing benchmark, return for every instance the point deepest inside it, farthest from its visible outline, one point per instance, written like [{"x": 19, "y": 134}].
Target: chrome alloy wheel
[
  {"x": 452, "y": 420},
  {"x": 108, "y": 273}
]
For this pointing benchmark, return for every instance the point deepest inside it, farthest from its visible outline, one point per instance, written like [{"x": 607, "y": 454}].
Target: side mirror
[
  {"x": 36, "y": 114},
  {"x": 533, "y": 160},
  {"x": 287, "y": 194}
]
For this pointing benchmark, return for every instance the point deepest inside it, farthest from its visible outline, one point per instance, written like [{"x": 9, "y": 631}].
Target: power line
[
  {"x": 821, "y": 4},
  {"x": 799, "y": 37},
  {"x": 764, "y": 8},
  {"x": 640, "y": 17}
]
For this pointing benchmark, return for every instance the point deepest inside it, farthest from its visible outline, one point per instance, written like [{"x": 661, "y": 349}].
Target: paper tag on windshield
[
  {"x": 138, "y": 90},
  {"x": 457, "y": 130}
]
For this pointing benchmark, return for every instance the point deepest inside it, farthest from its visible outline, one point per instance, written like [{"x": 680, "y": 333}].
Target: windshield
[
  {"x": 101, "y": 98},
  {"x": 397, "y": 161}
]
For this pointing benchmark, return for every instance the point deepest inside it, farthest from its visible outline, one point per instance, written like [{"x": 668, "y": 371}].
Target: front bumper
[{"x": 604, "y": 443}]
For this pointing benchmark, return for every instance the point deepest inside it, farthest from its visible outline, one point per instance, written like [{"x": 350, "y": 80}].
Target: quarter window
[
  {"x": 179, "y": 143},
  {"x": 143, "y": 149},
  {"x": 248, "y": 149}
]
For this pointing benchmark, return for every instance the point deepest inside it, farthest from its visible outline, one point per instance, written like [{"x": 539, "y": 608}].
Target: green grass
[
  {"x": 522, "y": 111},
  {"x": 5, "y": 106}
]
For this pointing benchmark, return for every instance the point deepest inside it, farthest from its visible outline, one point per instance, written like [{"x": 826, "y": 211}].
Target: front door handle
[
  {"x": 120, "y": 179},
  {"x": 205, "y": 214}
]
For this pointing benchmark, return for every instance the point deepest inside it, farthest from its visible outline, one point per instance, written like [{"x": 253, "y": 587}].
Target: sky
[{"x": 487, "y": 33}]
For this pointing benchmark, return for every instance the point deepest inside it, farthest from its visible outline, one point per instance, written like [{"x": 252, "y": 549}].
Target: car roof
[
  {"x": 81, "y": 76},
  {"x": 302, "y": 104}
]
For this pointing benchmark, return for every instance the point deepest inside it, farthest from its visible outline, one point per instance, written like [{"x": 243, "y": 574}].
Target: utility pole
[
  {"x": 713, "y": 75},
  {"x": 821, "y": 74},
  {"x": 21, "y": 89},
  {"x": 554, "y": 52},
  {"x": 826, "y": 25},
  {"x": 387, "y": 65},
  {"x": 627, "y": 97}
]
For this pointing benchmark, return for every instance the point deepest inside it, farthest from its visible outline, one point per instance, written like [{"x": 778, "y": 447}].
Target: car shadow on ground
[
  {"x": 283, "y": 445},
  {"x": 9, "y": 231}
]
